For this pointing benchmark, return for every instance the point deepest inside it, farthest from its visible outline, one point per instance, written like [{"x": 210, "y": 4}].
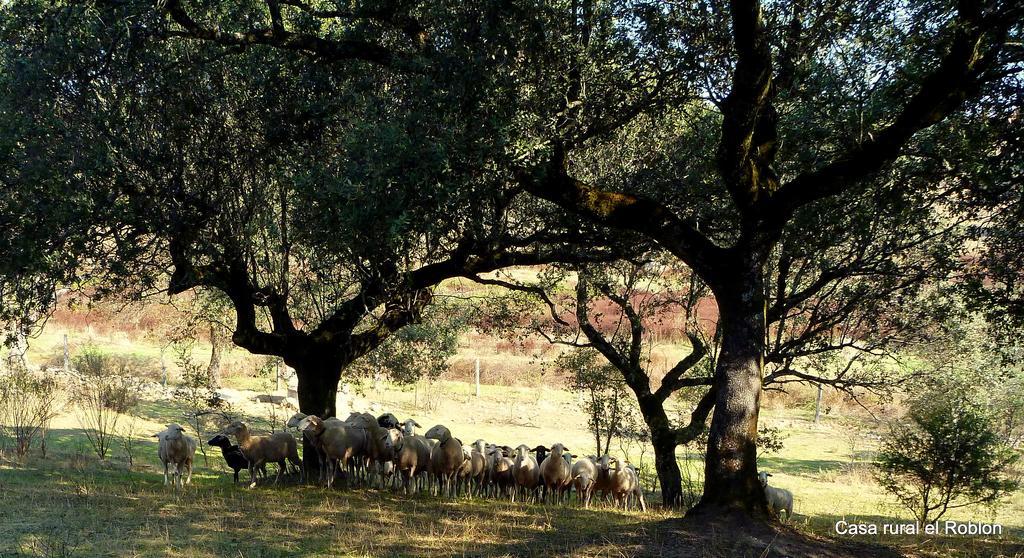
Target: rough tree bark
[
  {"x": 665, "y": 441},
  {"x": 730, "y": 471}
]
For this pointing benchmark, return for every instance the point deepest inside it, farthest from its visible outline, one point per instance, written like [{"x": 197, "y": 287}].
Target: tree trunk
[
  {"x": 664, "y": 439},
  {"x": 730, "y": 467},
  {"x": 318, "y": 376},
  {"x": 216, "y": 349}
]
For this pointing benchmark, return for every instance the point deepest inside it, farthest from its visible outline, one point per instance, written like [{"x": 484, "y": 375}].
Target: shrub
[
  {"x": 947, "y": 455},
  {"x": 107, "y": 391},
  {"x": 27, "y": 404}
]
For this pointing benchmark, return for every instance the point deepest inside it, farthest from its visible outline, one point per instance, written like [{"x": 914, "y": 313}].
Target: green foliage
[
  {"x": 946, "y": 455},
  {"x": 769, "y": 440},
  {"x": 418, "y": 350}
]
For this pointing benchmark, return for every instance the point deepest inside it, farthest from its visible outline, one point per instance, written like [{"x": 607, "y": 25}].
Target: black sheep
[
  {"x": 232, "y": 455},
  {"x": 387, "y": 420}
]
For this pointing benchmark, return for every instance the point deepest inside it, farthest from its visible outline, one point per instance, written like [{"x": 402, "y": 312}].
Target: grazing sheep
[
  {"x": 232, "y": 455},
  {"x": 779, "y": 499},
  {"x": 584, "y": 476},
  {"x": 526, "y": 472},
  {"x": 278, "y": 448},
  {"x": 555, "y": 473},
  {"x": 177, "y": 448},
  {"x": 625, "y": 483},
  {"x": 445, "y": 458}
]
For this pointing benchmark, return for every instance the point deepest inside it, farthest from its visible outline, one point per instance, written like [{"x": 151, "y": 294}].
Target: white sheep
[
  {"x": 624, "y": 484},
  {"x": 555, "y": 472},
  {"x": 412, "y": 457},
  {"x": 336, "y": 443},
  {"x": 177, "y": 448},
  {"x": 584, "y": 477},
  {"x": 445, "y": 458},
  {"x": 779, "y": 499},
  {"x": 526, "y": 472}
]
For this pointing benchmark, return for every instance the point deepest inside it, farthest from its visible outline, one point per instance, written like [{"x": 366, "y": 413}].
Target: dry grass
[{"x": 107, "y": 512}]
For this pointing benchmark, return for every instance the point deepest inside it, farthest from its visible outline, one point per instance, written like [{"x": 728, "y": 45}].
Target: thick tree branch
[
  {"x": 625, "y": 211},
  {"x": 674, "y": 381},
  {"x": 398, "y": 313},
  {"x": 635, "y": 377},
  {"x": 278, "y": 37},
  {"x": 749, "y": 121},
  {"x": 974, "y": 49},
  {"x": 698, "y": 419}
]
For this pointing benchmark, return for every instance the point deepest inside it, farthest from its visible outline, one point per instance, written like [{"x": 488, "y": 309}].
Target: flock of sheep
[{"x": 384, "y": 451}]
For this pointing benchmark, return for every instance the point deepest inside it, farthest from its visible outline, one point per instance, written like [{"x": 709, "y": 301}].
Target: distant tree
[
  {"x": 604, "y": 395},
  {"x": 28, "y": 402},
  {"x": 946, "y": 455}
]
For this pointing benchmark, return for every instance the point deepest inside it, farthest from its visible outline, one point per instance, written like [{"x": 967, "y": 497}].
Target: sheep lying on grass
[
  {"x": 779, "y": 499},
  {"x": 176, "y": 448},
  {"x": 276, "y": 448}
]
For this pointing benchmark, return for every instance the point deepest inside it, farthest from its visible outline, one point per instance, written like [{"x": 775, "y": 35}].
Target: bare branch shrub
[
  {"x": 107, "y": 391},
  {"x": 28, "y": 402}
]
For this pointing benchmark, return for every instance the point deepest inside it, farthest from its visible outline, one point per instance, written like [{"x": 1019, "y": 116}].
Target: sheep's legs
[{"x": 165, "y": 473}]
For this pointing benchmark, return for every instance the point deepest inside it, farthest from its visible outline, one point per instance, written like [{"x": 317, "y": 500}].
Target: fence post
[
  {"x": 67, "y": 355},
  {"x": 817, "y": 406},
  {"x": 478, "y": 377}
]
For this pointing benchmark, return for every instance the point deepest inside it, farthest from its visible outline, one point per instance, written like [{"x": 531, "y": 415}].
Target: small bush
[
  {"x": 107, "y": 392},
  {"x": 947, "y": 455},
  {"x": 28, "y": 402}
]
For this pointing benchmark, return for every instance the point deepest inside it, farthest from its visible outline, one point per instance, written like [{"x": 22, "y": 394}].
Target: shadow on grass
[
  {"x": 112, "y": 511},
  {"x": 738, "y": 536}
]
